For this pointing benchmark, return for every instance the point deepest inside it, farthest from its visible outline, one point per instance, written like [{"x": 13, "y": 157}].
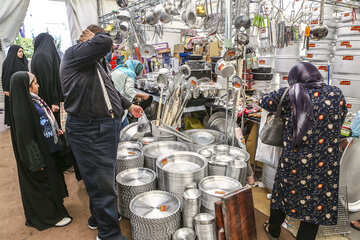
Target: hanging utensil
[
  {"x": 232, "y": 54},
  {"x": 162, "y": 81},
  {"x": 320, "y": 31},
  {"x": 242, "y": 22}
]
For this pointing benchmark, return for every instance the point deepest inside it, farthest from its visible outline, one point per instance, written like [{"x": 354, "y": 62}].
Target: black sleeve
[
  {"x": 90, "y": 51},
  {"x": 125, "y": 103}
]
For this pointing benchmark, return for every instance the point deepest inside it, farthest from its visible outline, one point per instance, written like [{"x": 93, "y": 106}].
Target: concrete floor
[{"x": 12, "y": 215}]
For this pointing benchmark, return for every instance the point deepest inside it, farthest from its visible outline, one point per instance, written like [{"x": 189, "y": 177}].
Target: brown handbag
[{"x": 273, "y": 130}]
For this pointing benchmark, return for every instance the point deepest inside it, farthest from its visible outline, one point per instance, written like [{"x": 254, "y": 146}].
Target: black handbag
[{"x": 273, "y": 131}]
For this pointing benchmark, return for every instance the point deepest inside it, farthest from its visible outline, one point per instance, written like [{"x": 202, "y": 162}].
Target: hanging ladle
[
  {"x": 162, "y": 81},
  {"x": 320, "y": 31}
]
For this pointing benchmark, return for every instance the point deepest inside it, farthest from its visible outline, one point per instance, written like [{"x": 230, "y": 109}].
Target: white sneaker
[
  {"x": 92, "y": 227},
  {"x": 63, "y": 222},
  {"x": 97, "y": 238}
]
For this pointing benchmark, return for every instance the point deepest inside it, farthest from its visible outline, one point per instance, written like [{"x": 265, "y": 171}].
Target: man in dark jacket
[{"x": 94, "y": 109}]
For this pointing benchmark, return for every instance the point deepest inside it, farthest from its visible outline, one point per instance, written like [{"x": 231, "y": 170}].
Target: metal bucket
[
  {"x": 129, "y": 158},
  {"x": 130, "y": 183},
  {"x": 348, "y": 43},
  {"x": 349, "y": 29},
  {"x": 191, "y": 207},
  {"x": 176, "y": 170},
  {"x": 205, "y": 226}
]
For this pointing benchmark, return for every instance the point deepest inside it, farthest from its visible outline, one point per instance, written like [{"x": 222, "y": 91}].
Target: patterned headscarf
[{"x": 302, "y": 76}]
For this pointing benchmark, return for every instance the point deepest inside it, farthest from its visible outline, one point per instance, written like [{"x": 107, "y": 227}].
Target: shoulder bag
[{"x": 273, "y": 130}]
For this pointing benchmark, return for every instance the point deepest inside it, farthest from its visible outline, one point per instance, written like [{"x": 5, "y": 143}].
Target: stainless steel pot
[
  {"x": 156, "y": 149},
  {"x": 219, "y": 138},
  {"x": 177, "y": 170},
  {"x": 219, "y": 163},
  {"x": 214, "y": 187},
  {"x": 205, "y": 226},
  {"x": 155, "y": 215},
  {"x": 128, "y": 158},
  {"x": 130, "y": 183},
  {"x": 237, "y": 170},
  {"x": 191, "y": 207}
]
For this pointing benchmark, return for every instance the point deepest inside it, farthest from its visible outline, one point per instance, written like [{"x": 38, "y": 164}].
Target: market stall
[{"x": 206, "y": 63}]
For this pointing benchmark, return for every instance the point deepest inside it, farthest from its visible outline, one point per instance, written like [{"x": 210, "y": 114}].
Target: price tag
[
  {"x": 309, "y": 55},
  {"x": 345, "y": 43},
  {"x": 355, "y": 28},
  {"x": 285, "y": 78},
  {"x": 164, "y": 161},
  {"x": 131, "y": 153},
  {"x": 324, "y": 68},
  {"x": 261, "y": 62},
  {"x": 193, "y": 83},
  {"x": 312, "y": 45},
  {"x": 343, "y": 82},
  {"x": 219, "y": 192},
  {"x": 237, "y": 85},
  {"x": 348, "y": 58},
  {"x": 164, "y": 208},
  {"x": 346, "y": 14},
  {"x": 221, "y": 67},
  {"x": 348, "y": 105}
]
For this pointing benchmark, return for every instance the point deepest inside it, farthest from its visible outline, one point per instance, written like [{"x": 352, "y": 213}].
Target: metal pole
[{"x": 228, "y": 24}]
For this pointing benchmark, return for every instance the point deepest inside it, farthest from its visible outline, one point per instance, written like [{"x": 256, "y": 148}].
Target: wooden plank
[
  {"x": 220, "y": 232},
  {"x": 238, "y": 215}
]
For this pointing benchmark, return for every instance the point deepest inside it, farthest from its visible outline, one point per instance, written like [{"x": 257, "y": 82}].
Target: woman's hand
[
  {"x": 55, "y": 108},
  {"x": 136, "y": 110},
  {"x": 60, "y": 132}
]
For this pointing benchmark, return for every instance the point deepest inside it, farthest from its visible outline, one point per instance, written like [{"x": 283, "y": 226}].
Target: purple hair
[{"x": 302, "y": 76}]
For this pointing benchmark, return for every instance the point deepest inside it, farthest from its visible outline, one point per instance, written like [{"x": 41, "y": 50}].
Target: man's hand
[
  {"x": 6, "y": 93},
  {"x": 136, "y": 110},
  {"x": 86, "y": 35},
  {"x": 55, "y": 108},
  {"x": 60, "y": 132}
]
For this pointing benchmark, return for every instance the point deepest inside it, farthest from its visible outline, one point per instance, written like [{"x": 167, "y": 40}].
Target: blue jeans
[
  {"x": 124, "y": 123},
  {"x": 94, "y": 144}
]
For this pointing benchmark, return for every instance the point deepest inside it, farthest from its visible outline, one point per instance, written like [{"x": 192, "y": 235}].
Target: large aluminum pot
[
  {"x": 214, "y": 187},
  {"x": 177, "y": 170},
  {"x": 219, "y": 138},
  {"x": 347, "y": 62},
  {"x": 156, "y": 149},
  {"x": 348, "y": 83}
]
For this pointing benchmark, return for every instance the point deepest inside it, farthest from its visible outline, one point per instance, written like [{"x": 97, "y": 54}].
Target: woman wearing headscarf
[
  {"x": 14, "y": 61},
  {"x": 307, "y": 179},
  {"x": 123, "y": 77},
  {"x": 34, "y": 135},
  {"x": 45, "y": 64}
]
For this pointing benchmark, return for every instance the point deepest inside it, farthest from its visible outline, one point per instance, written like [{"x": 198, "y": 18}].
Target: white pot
[
  {"x": 323, "y": 44},
  {"x": 348, "y": 16},
  {"x": 347, "y": 62},
  {"x": 291, "y": 50},
  {"x": 318, "y": 56},
  {"x": 283, "y": 64},
  {"x": 261, "y": 85},
  {"x": 348, "y": 83},
  {"x": 328, "y": 11},
  {"x": 349, "y": 29},
  {"x": 353, "y": 104},
  {"x": 266, "y": 61},
  {"x": 323, "y": 69},
  {"x": 315, "y": 20},
  {"x": 348, "y": 43}
]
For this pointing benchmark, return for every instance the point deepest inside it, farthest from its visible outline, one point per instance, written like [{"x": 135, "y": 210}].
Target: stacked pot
[
  {"x": 347, "y": 61},
  {"x": 285, "y": 59},
  {"x": 130, "y": 183},
  {"x": 321, "y": 52}
]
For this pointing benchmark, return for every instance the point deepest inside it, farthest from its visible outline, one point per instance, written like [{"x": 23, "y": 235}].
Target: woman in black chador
[
  {"x": 14, "y": 61},
  {"x": 34, "y": 134},
  {"x": 45, "y": 64}
]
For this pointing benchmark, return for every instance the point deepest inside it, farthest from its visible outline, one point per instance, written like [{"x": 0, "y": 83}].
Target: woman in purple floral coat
[{"x": 307, "y": 178}]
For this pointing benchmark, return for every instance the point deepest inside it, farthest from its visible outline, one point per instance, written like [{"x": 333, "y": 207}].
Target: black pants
[
  {"x": 307, "y": 231},
  {"x": 94, "y": 144}
]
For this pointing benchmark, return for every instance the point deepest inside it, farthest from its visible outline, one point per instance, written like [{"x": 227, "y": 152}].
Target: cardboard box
[
  {"x": 214, "y": 49},
  {"x": 178, "y": 48}
]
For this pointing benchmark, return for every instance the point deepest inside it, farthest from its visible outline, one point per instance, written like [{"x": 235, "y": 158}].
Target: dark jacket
[{"x": 80, "y": 82}]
